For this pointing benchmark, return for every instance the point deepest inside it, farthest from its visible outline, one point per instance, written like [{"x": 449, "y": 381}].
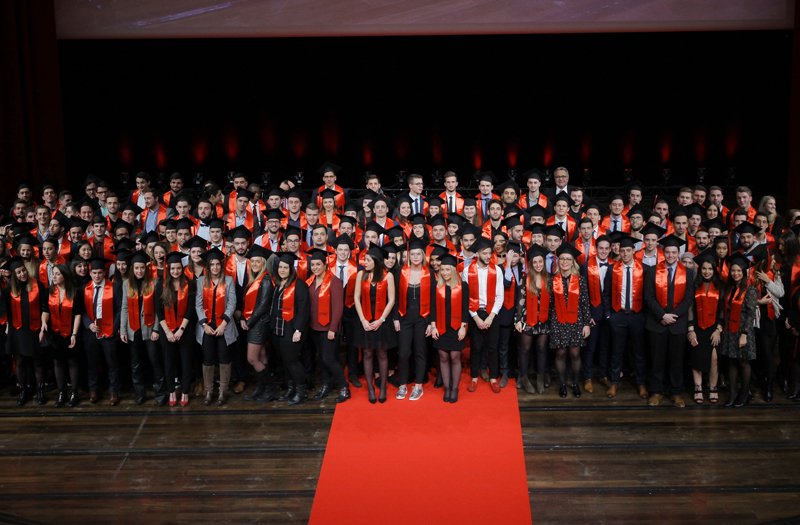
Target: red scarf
[
  {"x": 593, "y": 271},
  {"x": 455, "y": 308},
  {"x": 380, "y": 298},
  {"x": 474, "y": 290},
  {"x": 107, "y": 322},
  {"x": 706, "y": 302},
  {"x": 288, "y": 302},
  {"x": 60, "y": 313},
  {"x": 424, "y": 291},
  {"x": 567, "y": 310},
  {"x": 250, "y": 297},
  {"x": 214, "y": 300},
  {"x": 637, "y": 286},
  {"x": 33, "y": 309},
  {"x": 510, "y": 293},
  {"x": 537, "y": 308},
  {"x": 662, "y": 282},
  {"x": 173, "y": 320},
  {"x": 734, "y": 317},
  {"x": 43, "y": 270},
  {"x": 248, "y": 220},
  {"x": 148, "y": 309},
  {"x": 339, "y": 199},
  {"x": 324, "y": 303}
]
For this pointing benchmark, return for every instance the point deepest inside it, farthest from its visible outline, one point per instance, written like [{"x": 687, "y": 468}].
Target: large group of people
[{"x": 177, "y": 293}]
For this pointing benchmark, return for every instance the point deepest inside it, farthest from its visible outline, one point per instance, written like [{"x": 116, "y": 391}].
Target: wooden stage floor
[{"x": 589, "y": 460}]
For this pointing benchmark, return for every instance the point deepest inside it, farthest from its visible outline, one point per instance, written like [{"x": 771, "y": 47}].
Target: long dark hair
[
  {"x": 69, "y": 283},
  {"x": 276, "y": 279},
  {"x": 379, "y": 271},
  {"x": 732, "y": 287},
  {"x": 169, "y": 296},
  {"x": 715, "y": 279},
  {"x": 80, "y": 281},
  {"x": 791, "y": 248}
]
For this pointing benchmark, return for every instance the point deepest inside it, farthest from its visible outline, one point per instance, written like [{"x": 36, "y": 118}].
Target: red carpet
[{"x": 425, "y": 461}]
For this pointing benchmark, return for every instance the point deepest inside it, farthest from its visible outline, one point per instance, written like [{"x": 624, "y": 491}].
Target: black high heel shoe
[
  {"x": 562, "y": 391},
  {"x": 576, "y": 390},
  {"x": 454, "y": 396},
  {"x": 731, "y": 400},
  {"x": 446, "y": 395},
  {"x": 746, "y": 401},
  {"x": 382, "y": 398},
  {"x": 372, "y": 398}
]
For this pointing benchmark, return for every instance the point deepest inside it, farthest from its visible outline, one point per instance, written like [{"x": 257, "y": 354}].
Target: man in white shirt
[{"x": 103, "y": 328}]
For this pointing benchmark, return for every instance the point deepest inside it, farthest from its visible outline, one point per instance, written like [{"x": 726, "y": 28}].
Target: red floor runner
[{"x": 425, "y": 461}]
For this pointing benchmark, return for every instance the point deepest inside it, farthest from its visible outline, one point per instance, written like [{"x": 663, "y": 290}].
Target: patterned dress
[
  {"x": 522, "y": 313},
  {"x": 565, "y": 334},
  {"x": 730, "y": 341}
]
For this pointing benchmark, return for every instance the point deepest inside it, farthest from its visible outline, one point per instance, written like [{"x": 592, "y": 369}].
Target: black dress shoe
[
  {"x": 40, "y": 399},
  {"x": 372, "y": 398},
  {"x": 439, "y": 382},
  {"x": 392, "y": 380},
  {"x": 324, "y": 392},
  {"x": 161, "y": 401},
  {"x": 290, "y": 392},
  {"x": 562, "y": 391},
  {"x": 576, "y": 390},
  {"x": 74, "y": 400},
  {"x": 731, "y": 400},
  {"x": 344, "y": 394},
  {"x": 23, "y": 397},
  {"x": 354, "y": 381},
  {"x": 140, "y": 400},
  {"x": 310, "y": 385},
  {"x": 62, "y": 399},
  {"x": 768, "y": 394},
  {"x": 741, "y": 403}
]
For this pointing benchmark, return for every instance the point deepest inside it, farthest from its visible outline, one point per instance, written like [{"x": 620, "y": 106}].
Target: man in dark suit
[
  {"x": 668, "y": 294},
  {"x": 595, "y": 269},
  {"x": 561, "y": 176}
]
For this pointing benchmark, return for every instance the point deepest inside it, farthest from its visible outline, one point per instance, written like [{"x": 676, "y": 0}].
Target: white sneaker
[
  {"x": 416, "y": 393},
  {"x": 401, "y": 392}
]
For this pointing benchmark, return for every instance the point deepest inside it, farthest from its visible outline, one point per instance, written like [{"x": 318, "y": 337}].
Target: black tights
[
  {"x": 525, "y": 346},
  {"x": 575, "y": 361},
  {"x": 765, "y": 346},
  {"x": 23, "y": 363},
  {"x": 733, "y": 371},
  {"x": 61, "y": 366},
  {"x": 450, "y": 365},
  {"x": 383, "y": 366}
]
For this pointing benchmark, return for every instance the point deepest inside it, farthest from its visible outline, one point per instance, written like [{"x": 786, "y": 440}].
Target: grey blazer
[
  {"x": 230, "y": 306},
  {"x": 124, "y": 325}
]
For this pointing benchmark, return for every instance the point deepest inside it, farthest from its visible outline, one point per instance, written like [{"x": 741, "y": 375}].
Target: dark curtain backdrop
[{"x": 31, "y": 125}]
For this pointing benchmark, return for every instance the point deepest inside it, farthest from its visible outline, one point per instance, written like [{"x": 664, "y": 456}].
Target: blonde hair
[
  {"x": 532, "y": 288},
  {"x": 250, "y": 276},
  {"x": 454, "y": 280},
  {"x": 762, "y": 207}
]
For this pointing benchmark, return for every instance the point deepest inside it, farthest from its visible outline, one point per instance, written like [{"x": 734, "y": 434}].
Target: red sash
[
  {"x": 542, "y": 201},
  {"x": 107, "y": 322},
  {"x": 639, "y": 256},
  {"x": 161, "y": 214},
  {"x": 248, "y": 220},
  {"x": 706, "y": 302},
  {"x": 33, "y": 309},
  {"x": 60, "y": 314},
  {"x": 324, "y": 303},
  {"x": 250, "y": 297},
  {"x": 65, "y": 248},
  {"x": 173, "y": 320},
  {"x": 736, "y": 311},
  {"x": 288, "y": 302},
  {"x": 474, "y": 290},
  {"x": 593, "y": 271},
  {"x": 380, "y": 299},
  {"x": 637, "y": 286},
  {"x": 148, "y": 309},
  {"x": 43, "y": 270},
  {"x": 571, "y": 226},
  {"x": 424, "y": 291},
  {"x": 567, "y": 310},
  {"x": 459, "y": 202},
  {"x": 537, "y": 308},
  {"x": 216, "y": 299},
  {"x": 352, "y": 271},
  {"x": 662, "y": 282},
  {"x": 339, "y": 199},
  {"x": 582, "y": 248},
  {"x": 509, "y": 293},
  {"x": 455, "y": 308},
  {"x": 230, "y": 267},
  {"x": 624, "y": 223}
]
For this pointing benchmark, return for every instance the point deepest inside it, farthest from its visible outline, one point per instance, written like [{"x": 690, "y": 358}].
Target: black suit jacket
[
  {"x": 654, "y": 310},
  {"x": 550, "y": 193}
]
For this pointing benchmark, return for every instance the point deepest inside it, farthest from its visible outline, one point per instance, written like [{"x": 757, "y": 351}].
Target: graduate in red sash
[
  {"x": 345, "y": 268},
  {"x": 704, "y": 337},
  {"x": 63, "y": 317},
  {"x": 532, "y": 319},
  {"x": 449, "y": 323}
]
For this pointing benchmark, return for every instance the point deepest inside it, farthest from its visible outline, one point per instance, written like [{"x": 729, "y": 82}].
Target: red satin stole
[
  {"x": 148, "y": 309},
  {"x": 381, "y": 299},
  {"x": 662, "y": 283},
  {"x": 107, "y": 322},
  {"x": 33, "y": 309},
  {"x": 339, "y": 198},
  {"x": 582, "y": 248},
  {"x": 509, "y": 293},
  {"x": 288, "y": 302},
  {"x": 593, "y": 271},
  {"x": 172, "y": 318},
  {"x": 624, "y": 223},
  {"x": 455, "y": 308},
  {"x": 571, "y": 225},
  {"x": 60, "y": 313},
  {"x": 214, "y": 301},
  {"x": 537, "y": 308},
  {"x": 248, "y": 220},
  {"x": 424, "y": 294},
  {"x": 734, "y": 317},
  {"x": 637, "y": 286},
  {"x": 706, "y": 302},
  {"x": 474, "y": 288},
  {"x": 43, "y": 269},
  {"x": 567, "y": 309},
  {"x": 250, "y": 297},
  {"x": 324, "y": 303},
  {"x": 542, "y": 201}
]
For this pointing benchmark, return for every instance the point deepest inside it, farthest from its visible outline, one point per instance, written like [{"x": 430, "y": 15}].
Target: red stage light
[
  {"x": 549, "y": 147},
  {"x": 330, "y": 136},
  {"x": 125, "y": 153},
  {"x": 299, "y": 144},
  {"x": 701, "y": 145},
  {"x": 437, "y": 146},
  {"x": 268, "y": 135},
  {"x": 627, "y": 149},
  {"x": 401, "y": 145},
  {"x": 231, "y": 142},
  {"x": 161, "y": 157},
  {"x": 200, "y": 148},
  {"x": 367, "y": 152},
  {"x": 512, "y": 151},
  {"x": 666, "y": 147},
  {"x": 477, "y": 156},
  {"x": 586, "y": 149},
  {"x": 732, "y": 139}
]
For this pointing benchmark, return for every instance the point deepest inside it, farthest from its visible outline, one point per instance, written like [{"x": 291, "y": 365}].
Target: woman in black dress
[
  {"x": 532, "y": 319},
  {"x": 569, "y": 316},
  {"x": 288, "y": 318},
  {"x": 374, "y": 300},
  {"x": 255, "y": 322},
  {"x": 64, "y": 319},
  {"x": 703, "y": 335},
  {"x": 449, "y": 324},
  {"x": 767, "y": 279},
  {"x": 23, "y": 303}
]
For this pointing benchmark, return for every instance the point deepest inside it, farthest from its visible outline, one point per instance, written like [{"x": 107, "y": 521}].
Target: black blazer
[
  {"x": 263, "y": 301},
  {"x": 302, "y": 307},
  {"x": 654, "y": 310},
  {"x": 117, "y": 291}
]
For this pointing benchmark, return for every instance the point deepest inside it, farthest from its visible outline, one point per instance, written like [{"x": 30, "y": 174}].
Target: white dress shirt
[{"x": 483, "y": 275}]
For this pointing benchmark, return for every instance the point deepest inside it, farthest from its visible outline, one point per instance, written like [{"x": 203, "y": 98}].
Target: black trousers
[
  {"x": 666, "y": 349},
  {"x": 597, "y": 344},
  {"x": 628, "y": 327},
  {"x": 765, "y": 348},
  {"x": 239, "y": 356},
  {"x": 349, "y": 320},
  {"x": 332, "y": 373},
  {"x": 108, "y": 347},
  {"x": 215, "y": 348},
  {"x": 504, "y": 348},
  {"x": 183, "y": 351},
  {"x": 483, "y": 341},
  {"x": 412, "y": 334},
  {"x": 290, "y": 353},
  {"x": 139, "y": 349},
  {"x": 308, "y": 358}
]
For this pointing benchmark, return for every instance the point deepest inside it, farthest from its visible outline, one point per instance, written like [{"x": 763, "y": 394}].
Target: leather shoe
[
  {"x": 354, "y": 381},
  {"x": 472, "y": 385},
  {"x": 94, "y": 397},
  {"x": 643, "y": 392},
  {"x": 485, "y": 375},
  {"x": 239, "y": 388},
  {"x": 605, "y": 382},
  {"x": 587, "y": 385},
  {"x": 612, "y": 392},
  {"x": 654, "y": 400},
  {"x": 495, "y": 387},
  {"x": 562, "y": 391},
  {"x": 576, "y": 390},
  {"x": 114, "y": 399},
  {"x": 139, "y": 400},
  {"x": 504, "y": 381},
  {"x": 439, "y": 383},
  {"x": 678, "y": 401}
]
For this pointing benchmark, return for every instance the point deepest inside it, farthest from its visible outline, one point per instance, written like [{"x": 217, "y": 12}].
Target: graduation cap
[
  {"x": 760, "y": 253},
  {"x": 537, "y": 210},
  {"x": 259, "y": 251},
  {"x": 376, "y": 252},
  {"x": 594, "y": 206},
  {"x": 616, "y": 196},
  {"x": 14, "y": 263},
  {"x": 328, "y": 166},
  {"x": 149, "y": 237},
  {"x": 350, "y": 206},
  {"x": 318, "y": 255},
  {"x": 511, "y": 183},
  {"x": 347, "y": 218},
  {"x": 448, "y": 260},
  {"x": 716, "y": 222},
  {"x": 177, "y": 258},
  {"x": 240, "y": 232},
  {"x": 295, "y": 192},
  {"x": 796, "y": 229},
  {"x": 454, "y": 218},
  {"x": 184, "y": 224},
  {"x": 695, "y": 209},
  {"x": 216, "y": 223},
  {"x": 501, "y": 233},
  {"x": 370, "y": 195},
  {"x": 241, "y": 192},
  {"x": 568, "y": 249},
  {"x": 721, "y": 239},
  {"x": 746, "y": 227},
  {"x": 77, "y": 222},
  {"x": 671, "y": 240},
  {"x": 537, "y": 250},
  {"x": 62, "y": 219},
  {"x": 653, "y": 229},
  {"x": 328, "y": 193},
  {"x": 616, "y": 237},
  {"x": 139, "y": 257},
  {"x": 554, "y": 231},
  {"x": 342, "y": 239},
  {"x": 563, "y": 197},
  {"x": 21, "y": 228},
  {"x": 437, "y": 220},
  {"x": 679, "y": 211},
  {"x": 534, "y": 174},
  {"x": 123, "y": 255},
  {"x": 707, "y": 256},
  {"x": 470, "y": 201},
  {"x": 417, "y": 244},
  {"x": 131, "y": 206},
  {"x": 401, "y": 199},
  {"x": 394, "y": 231},
  {"x": 418, "y": 218},
  {"x": 122, "y": 224},
  {"x": 26, "y": 238},
  {"x": 87, "y": 201},
  {"x": 514, "y": 221},
  {"x": 23, "y": 186},
  {"x": 373, "y": 226},
  {"x": 123, "y": 244},
  {"x": 380, "y": 198},
  {"x": 466, "y": 229},
  {"x": 291, "y": 230},
  {"x": 487, "y": 176},
  {"x": 627, "y": 241},
  {"x": 739, "y": 260},
  {"x": 480, "y": 244},
  {"x": 391, "y": 248},
  {"x": 634, "y": 185},
  {"x": 639, "y": 210},
  {"x": 435, "y": 201},
  {"x": 274, "y": 191},
  {"x": 514, "y": 246},
  {"x": 169, "y": 224},
  {"x": 197, "y": 242},
  {"x": 98, "y": 263},
  {"x": 536, "y": 229},
  {"x": 210, "y": 255},
  {"x": 438, "y": 251}
]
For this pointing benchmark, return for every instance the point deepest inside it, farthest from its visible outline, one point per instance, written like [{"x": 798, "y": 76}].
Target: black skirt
[
  {"x": 701, "y": 354},
  {"x": 24, "y": 342},
  {"x": 259, "y": 332}
]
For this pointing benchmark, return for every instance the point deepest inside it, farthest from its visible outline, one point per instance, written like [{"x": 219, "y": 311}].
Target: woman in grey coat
[{"x": 215, "y": 303}]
